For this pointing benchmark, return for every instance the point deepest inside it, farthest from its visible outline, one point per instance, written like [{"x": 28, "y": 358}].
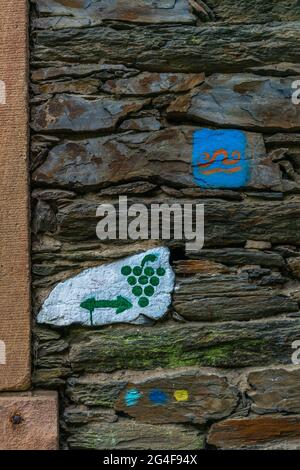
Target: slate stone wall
[{"x": 117, "y": 89}]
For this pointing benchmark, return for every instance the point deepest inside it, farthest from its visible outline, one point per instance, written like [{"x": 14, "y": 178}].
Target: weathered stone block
[
  {"x": 229, "y": 297},
  {"x": 208, "y": 48},
  {"x": 29, "y": 421},
  {"x": 255, "y": 11},
  {"x": 153, "y": 83},
  {"x": 294, "y": 265},
  {"x": 79, "y": 114},
  {"x": 99, "y": 162},
  {"x": 268, "y": 432},
  {"x": 244, "y": 101},
  {"x": 240, "y": 257},
  {"x": 275, "y": 390},
  {"x": 248, "y": 219},
  {"x": 180, "y": 396},
  {"x": 84, "y": 13},
  {"x": 134, "y": 436},
  {"x": 229, "y": 345}
]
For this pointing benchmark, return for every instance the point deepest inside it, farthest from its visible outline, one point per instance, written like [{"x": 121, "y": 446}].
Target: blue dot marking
[
  {"x": 219, "y": 158},
  {"x": 158, "y": 397},
  {"x": 132, "y": 397}
]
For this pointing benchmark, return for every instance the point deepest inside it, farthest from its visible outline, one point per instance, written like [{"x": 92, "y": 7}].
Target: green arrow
[{"x": 120, "y": 304}]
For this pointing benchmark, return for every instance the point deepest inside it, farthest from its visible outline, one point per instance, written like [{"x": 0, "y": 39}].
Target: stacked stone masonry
[{"x": 117, "y": 90}]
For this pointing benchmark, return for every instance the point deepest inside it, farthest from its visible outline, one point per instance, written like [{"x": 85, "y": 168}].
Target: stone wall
[{"x": 118, "y": 89}]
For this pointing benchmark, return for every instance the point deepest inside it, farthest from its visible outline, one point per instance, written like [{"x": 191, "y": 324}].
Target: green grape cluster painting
[
  {"x": 126, "y": 291},
  {"x": 144, "y": 279}
]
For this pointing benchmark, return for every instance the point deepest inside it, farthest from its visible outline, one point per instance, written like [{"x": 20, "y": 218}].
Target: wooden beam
[{"x": 14, "y": 206}]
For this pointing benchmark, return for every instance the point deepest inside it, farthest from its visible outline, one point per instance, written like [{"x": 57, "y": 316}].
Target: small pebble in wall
[{"x": 120, "y": 292}]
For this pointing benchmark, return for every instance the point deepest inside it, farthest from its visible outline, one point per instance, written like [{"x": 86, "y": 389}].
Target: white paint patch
[
  {"x": 2, "y": 353},
  {"x": 106, "y": 294},
  {"x": 2, "y": 93}
]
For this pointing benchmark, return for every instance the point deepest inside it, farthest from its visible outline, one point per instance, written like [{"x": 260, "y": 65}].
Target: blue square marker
[{"x": 219, "y": 158}]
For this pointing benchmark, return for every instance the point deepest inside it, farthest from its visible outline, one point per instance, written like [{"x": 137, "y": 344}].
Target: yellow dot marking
[{"x": 181, "y": 395}]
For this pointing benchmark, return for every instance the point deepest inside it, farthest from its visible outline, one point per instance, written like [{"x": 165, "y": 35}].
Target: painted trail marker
[
  {"x": 220, "y": 158},
  {"x": 121, "y": 292}
]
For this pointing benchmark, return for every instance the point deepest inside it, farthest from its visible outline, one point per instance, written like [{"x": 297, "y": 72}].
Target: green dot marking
[
  {"x": 143, "y": 302},
  {"x": 137, "y": 271},
  {"x": 154, "y": 281},
  {"x": 132, "y": 280},
  {"x": 126, "y": 270},
  {"x": 149, "y": 291},
  {"x": 143, "y": 280},
  {"x": 160, "y": 271},
  {"x": 149, "y": 271},
  {"x": 137, "y": 291}
]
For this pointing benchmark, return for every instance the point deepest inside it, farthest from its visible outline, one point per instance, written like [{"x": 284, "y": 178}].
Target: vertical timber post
[
  {"x": 21, "y": 426},
  {"x": 14, "y": 227}
]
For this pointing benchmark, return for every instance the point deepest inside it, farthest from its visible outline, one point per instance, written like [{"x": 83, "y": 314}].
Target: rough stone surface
[
  {"x": 153, "y": 83},
  {"x": 257, "y": 245},
  {"x": 207, "y": 48},
  {"x": 274, "y": 432},
  {"x": 78, "y": 114},
  {"x": 294, "y": 265},
  {"x": 255, "y": 11},
  {"x": 101, "y": 161},
  {"x": 29, "y": 421},
  {"x": 128, "y": 435},
  {"x": 216, "y": 345},
  {"x": 233, "y": 296},
  {"x": 117, "y": 293},
  {"x": 240, "y": 100},
  {"x": 84, "y": 13},
  {"x": 185, "y": 398},
  {"x": 181, "y": 396},
  {"x": 274, "y": 391},
  {"x": 77, "y": 222}
]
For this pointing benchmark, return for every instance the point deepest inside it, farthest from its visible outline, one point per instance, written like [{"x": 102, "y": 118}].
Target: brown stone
[
  {"x": 29, "y": 421},
  {"x": 294, "y": 265},
  {"x": 275, "y": 390},
  {"x": 14, "y": 228},
  {"x": 265, "y": 432},
  {"x": 241, "y": 100},
  {"x": 179, "y": 398},
  {"x": 257, "y": 245},
  {"x": 194, "y": 266},
  {"x": 154, "y": 83},
  {"x": 79, "y": 114}
]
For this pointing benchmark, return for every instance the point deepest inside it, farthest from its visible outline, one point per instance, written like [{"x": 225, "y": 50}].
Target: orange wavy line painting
[{"x": 219, "y": 158}]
